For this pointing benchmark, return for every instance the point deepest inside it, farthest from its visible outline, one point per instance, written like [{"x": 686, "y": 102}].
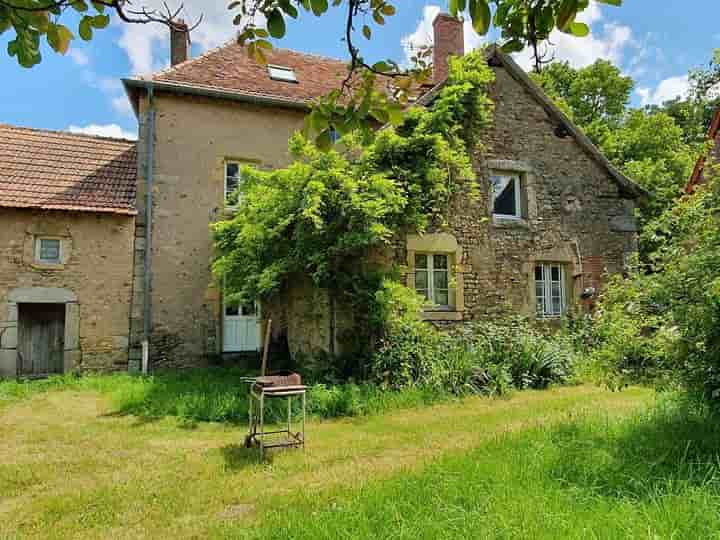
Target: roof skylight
[{"x": 280, "y": 73}]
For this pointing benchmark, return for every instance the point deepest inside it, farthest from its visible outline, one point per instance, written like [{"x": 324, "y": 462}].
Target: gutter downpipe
[{"x": 147, "y": 263}]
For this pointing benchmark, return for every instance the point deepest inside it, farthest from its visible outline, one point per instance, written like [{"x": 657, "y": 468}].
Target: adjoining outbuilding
[{"x": 67, "y": 225}]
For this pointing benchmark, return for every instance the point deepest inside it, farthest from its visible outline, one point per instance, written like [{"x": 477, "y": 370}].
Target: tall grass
[
  {"x": 656, "y": 475},
  {"x": 217, "y": 395}
]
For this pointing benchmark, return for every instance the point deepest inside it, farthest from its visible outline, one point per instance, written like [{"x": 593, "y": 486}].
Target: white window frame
[
  {"x": 38, "y": 250},
  {"x": 282, "y": 73},
  {"x": 518, "y": 194},
  {"x": 546, "y": 297},
  {"x": 431, "y": 270},
  {"x": 225, "y": 179}
]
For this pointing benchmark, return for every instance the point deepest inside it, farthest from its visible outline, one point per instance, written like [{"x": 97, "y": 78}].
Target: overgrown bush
[
  {"x": 486, "y": 357},
  {"x": 663, "y": 322}
]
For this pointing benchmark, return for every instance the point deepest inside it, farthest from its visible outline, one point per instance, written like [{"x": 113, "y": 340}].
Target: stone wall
[
  {"x": 93, "y": 280},
  {"x": 194, "y": 138},
  {"x": 575, "y": 213}
]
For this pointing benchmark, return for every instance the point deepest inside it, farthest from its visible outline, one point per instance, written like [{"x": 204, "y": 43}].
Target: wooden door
[
  {"x": 241, "y": 331},
  {"x": 41, "y": 339}
]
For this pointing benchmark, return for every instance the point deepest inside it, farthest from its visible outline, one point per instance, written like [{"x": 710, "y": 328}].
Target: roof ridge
[{"x": 68, "y": 133}]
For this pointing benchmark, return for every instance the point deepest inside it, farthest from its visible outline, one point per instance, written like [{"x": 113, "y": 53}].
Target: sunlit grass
[
  {"x": 655, "y": 476},
  {"x": 72, "y": 466}
]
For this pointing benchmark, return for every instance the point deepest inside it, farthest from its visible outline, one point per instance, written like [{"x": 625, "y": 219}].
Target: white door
[{"x": 241, "y": 329}]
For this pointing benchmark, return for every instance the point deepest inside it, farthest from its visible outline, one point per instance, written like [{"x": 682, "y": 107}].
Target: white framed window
[
  {"x": 507, "y": 195},
  {"x": 232, "y": 181},
  {"x": 432, "y": 278},
  {"x": 48, "y": 250},
  {"x": 281, "y": 73},
  {"x": 550, "y": 298}
]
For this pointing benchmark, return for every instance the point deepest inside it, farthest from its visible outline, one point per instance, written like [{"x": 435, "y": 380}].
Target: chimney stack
[
  {"x": 447, "y": 41},
  {"x": 179, "y": 42}
]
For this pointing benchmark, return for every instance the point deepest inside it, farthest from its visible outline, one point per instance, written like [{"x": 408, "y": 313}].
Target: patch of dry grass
[{"x": 70, "y": 468}]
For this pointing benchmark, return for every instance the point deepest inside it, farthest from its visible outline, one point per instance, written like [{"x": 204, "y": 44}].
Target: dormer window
[{"x": 280, "y": 73}]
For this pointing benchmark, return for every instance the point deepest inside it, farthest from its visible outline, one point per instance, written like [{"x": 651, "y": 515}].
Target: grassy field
[{"x": 575, "y": 462}]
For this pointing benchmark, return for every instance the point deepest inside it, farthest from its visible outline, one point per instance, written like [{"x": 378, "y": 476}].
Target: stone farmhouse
[{"x": 107, "y": 248}]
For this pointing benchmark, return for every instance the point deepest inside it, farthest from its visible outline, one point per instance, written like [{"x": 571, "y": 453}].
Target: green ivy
[{"x": 323, "y": 215}]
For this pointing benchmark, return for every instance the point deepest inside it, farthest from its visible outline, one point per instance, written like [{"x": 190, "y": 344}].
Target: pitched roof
[
  {"x": 52, "y": 170},
  {"x": 712, "y": 135},
  {"x": 516, "y": 72},
  {"x": 228, "y": 69}
]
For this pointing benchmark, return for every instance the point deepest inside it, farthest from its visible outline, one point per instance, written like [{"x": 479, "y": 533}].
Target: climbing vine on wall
[{"x": 324, "y": 214}]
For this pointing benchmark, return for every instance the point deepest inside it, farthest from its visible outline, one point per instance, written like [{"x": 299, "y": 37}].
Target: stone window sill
[
  {"x": 439, "y": 315},
  {"x": 502, "y": 222},
  {"x": 47, "y": 266}
]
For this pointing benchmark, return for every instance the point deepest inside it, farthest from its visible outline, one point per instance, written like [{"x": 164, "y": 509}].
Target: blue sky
[{"x": 656, "y": 42}]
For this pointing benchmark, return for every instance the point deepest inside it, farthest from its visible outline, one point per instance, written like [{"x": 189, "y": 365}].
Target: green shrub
[{"x": 487, "y": 357}]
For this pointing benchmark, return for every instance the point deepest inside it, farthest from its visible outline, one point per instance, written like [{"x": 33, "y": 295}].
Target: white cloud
[
  {"x": 122, "y": 105},
  {"x": 609, "y": 42},
  {"x": 148, "y": 45},
  {"x": 668, "y": 89},
  {"x": 79, "y": 57},
  {"x": 103, "y": 130},
  {"x": 606, "y": 40},
  {"x": 423, "y": 34}
]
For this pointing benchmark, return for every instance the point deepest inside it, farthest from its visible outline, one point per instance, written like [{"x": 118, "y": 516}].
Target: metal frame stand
[{"x": 282, "y": 438}]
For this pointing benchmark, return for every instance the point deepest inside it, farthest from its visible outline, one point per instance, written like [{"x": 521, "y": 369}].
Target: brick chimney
[
  {"x": 447, "y": 40},
  {"x": 179, "y": 42}
]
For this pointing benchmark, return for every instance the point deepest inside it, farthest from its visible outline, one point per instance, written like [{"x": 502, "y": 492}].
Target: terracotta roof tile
[
  {"x": 53, "y": 170},
  {"x": 229, "y": 68}
]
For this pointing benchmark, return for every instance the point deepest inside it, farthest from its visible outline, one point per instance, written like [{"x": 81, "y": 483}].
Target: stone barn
[{"x": 67, "y": 223}]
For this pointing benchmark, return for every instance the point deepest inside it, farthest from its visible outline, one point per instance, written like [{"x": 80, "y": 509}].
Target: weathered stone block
[
  {"x": 9, "y": 337},
  {"x": 8, "y": 362}
]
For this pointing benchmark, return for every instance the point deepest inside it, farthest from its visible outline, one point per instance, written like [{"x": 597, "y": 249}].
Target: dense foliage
[
  {"x": 665, "y": 319},
  {"x": 324, "y": 215},
  {"x": 486, "y": 358}
]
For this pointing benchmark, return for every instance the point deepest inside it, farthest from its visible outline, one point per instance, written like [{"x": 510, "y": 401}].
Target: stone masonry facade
[
  {"x": 92, "y": 281},
  {"x": 575, "y": 216}
]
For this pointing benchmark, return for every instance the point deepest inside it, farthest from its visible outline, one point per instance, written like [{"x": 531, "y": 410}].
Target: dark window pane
[
  {"x": 248, "y": 310},
  {"x": 421, "y": 261},
  {"x": 232, "y": 311},
  {"x": 442, "y": 298},
  {"x": 232, "y": 169},
  {"x": 49, "y": 250},
  {"x": 538, "y": 273},
  {"x": 505, "y": 201},
  {"x": 556, "y": 273},
  {"x": 421, "y": 279},
  {"x": 440, "y": 261},
  {"x": 440, "y": 280}
]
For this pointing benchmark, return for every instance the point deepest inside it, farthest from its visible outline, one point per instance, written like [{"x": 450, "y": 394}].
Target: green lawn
[{"x": 576, "y": 462}]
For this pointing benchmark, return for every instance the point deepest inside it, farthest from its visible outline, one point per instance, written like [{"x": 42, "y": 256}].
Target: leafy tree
[
  {"x": 596, "y": 93},
  {"x": 695, "y": 112},
  {"x": 668, "y": 319},
  {"x": 650, "y": 148}
]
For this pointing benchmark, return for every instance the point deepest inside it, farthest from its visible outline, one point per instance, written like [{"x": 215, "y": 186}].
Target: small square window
[
  {"x": 48, "y": 251},
  {"x": 281, "y": 73},
  {"x": 507, "y": 195}
]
